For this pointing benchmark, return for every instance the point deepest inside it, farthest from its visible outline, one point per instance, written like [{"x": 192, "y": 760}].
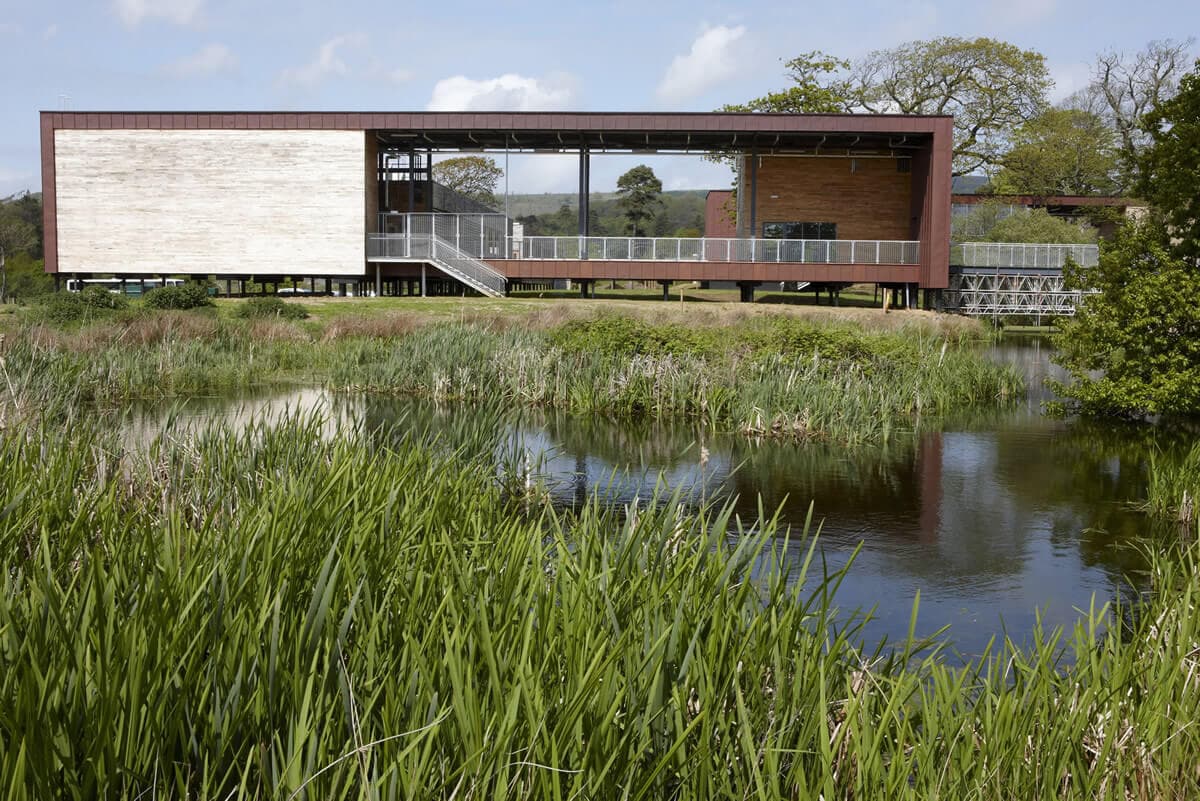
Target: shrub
[
  {"x": 185, "y": 296},
  {"x": 67, "y": 308},
  {"x": 258, "y": 308}
]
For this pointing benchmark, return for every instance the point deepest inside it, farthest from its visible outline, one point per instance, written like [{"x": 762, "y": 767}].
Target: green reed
[{"x": 304, "y": 610}]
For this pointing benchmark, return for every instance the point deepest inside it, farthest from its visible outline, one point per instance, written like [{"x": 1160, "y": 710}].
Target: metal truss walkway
[{"x": 1006, "y": 279}]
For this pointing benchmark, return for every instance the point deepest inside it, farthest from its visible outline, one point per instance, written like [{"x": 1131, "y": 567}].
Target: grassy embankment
[
  {"x": 791, "y": 375},
  {"x": 276, "y": 613}
]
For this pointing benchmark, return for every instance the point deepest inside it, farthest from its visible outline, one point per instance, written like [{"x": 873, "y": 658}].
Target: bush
[
  {"x": 67, "y": 308},
  {"x": 185, "y": 296},
  {"x": 257, "y": 308}
]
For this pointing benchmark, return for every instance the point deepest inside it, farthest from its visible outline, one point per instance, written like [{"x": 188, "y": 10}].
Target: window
[{"x": 799, "y": 230}]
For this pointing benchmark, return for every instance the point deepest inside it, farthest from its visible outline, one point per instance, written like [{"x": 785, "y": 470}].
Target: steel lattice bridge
[{"x": 1005, "y": 279}]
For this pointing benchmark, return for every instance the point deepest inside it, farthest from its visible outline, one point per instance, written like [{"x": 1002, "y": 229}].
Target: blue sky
[{"x": 624, "y": 55}]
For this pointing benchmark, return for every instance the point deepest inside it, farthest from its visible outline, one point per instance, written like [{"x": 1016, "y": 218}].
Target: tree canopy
[
  {"x": 1169, "y": 168},
  {"x": 1133, "y": 348},
  {"x": 475, "y": 177},
  {"x": 817, "y": 88},
  {"x": 18, "y": 236},
  {"x": 1127, "y": 86},
  {"x": 989, "y": 86},
  {"x": 639, "y": 193},
  {"x": 1060, "y": 152},
  {"x": 996, "y": 221}
]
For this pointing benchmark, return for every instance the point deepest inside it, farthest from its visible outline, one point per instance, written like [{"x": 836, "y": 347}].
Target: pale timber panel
[{"x": 211, "y": 202}]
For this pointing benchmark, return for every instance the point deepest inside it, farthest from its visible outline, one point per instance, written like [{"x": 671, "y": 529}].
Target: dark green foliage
[
  {"x": 27, "y": 278},
  {"x": 681, "y": 209},
  {"x": 1169, "y": 169},
  {"x": 72, "y": 308},
  {"x": 271, "y": 307},
  {"x": 185, "y": 296},
  {"x": 772, "y": 336},
  {"x": 1038, "y": 225},
  {"x": 639, "y": 191},
  {"x": 1134, "y": 348},
  {"x": 1061, "y": 152}
]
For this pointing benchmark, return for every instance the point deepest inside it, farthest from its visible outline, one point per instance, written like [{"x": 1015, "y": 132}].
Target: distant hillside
[
  {"x": 681, "y": 213},
  {"x": 550, "y": 202}
]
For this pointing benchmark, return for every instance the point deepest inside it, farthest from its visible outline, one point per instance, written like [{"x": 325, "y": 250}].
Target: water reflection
[{"x": 993, "y": 519}]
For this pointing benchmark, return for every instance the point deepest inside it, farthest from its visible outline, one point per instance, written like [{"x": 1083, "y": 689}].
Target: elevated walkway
[
  {"x": 482, "y": 248},
  {"x": 991, "y": 279}
]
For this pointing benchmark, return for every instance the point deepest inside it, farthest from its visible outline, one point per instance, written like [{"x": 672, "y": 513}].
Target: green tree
[
  {"x": 1169, "y": 168},
  {"x": 1038, "y": 225},
  {"x": 639, "y": 194},
  {"x": 1060, "y": 152},
  {"x": 16, "y": 236},
  {"x": 991, "y": 87},
  {"x": 475, "y": 177},
  {"x": 1134, "y": 347},
  {"x": 817, "y": 88},
  {"x": 27, "y": 278}
]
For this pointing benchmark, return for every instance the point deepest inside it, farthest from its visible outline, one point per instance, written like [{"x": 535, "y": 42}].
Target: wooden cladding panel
[
  {"x": 868, "y": 198},
  {"x": 211, "y": 201}
]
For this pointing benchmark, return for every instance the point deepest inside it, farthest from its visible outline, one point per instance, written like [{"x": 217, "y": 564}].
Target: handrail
[
  {"x": 801, "y": 251},
  {"x": 1022, "y": 255}
]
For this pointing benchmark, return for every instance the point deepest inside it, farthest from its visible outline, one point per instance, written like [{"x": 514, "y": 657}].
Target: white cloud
[
  {"x": 179, "y": 12},
  {"x": 542, "y": 172},
  {"x": 208, "y": 60},
  {"x": 327, "y": 62},
  {"x": 50, "y": 32},
  {"x": 509, "y": 92},
  {"x": 712, "y": 59}
]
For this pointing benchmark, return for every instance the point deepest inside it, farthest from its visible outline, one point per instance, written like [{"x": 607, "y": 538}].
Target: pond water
[{"x": 995, "y": 519}]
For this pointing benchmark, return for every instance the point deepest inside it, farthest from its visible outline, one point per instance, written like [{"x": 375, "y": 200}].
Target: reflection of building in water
[
  {"x": 929, "y": 468},
  {"x": 185, "y": 417}
]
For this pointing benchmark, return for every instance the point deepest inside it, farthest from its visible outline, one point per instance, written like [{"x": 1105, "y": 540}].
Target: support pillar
[
  {"x": 424, "y": 284},
  {"x": 746, "y": 290},
  {"x": 753, "y": 233},
  {"x": 666, "y": 288},
  {"x": 412, "y": 181},
  {"x": 585, "y": 178},
  {"x": 378, "y": 281}
]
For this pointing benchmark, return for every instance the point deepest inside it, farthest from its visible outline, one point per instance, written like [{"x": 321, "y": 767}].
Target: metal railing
[
  {"x": 445, "y": 255},
  {"x": 487, "y": 236},
  {"x": 478, "y": 235},
  {"x": 1022, "y": 256},
  {"x": 478, "y": 274},
  {"x": 799, "y": 251}
]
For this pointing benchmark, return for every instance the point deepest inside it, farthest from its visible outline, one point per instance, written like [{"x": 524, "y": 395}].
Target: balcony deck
[{"x": 413, "y": 237}]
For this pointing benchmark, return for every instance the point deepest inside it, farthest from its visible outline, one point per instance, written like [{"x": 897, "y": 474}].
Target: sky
[{"x": 662, "y": 55}]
